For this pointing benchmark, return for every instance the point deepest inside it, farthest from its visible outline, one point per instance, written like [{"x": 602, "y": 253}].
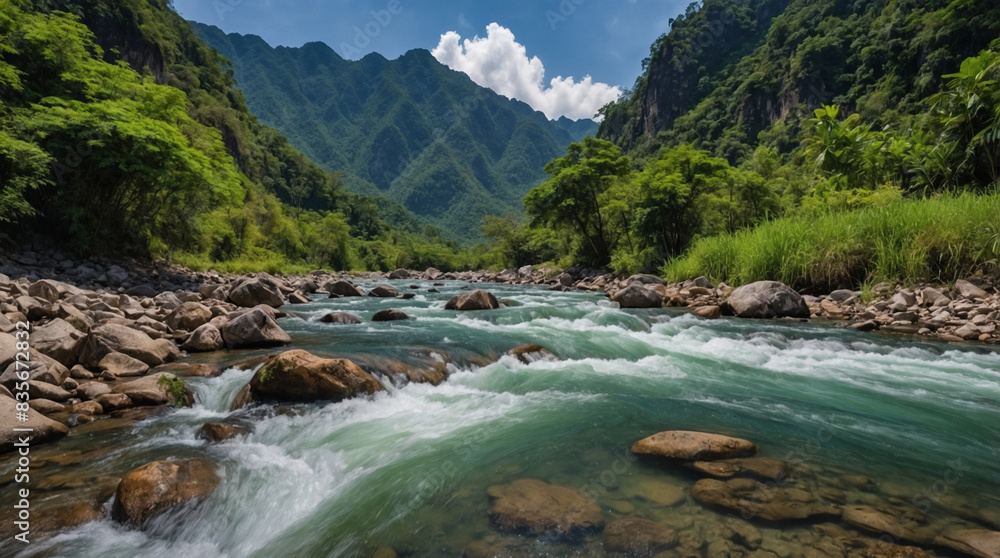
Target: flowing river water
[{"x": 409, "y": 469}]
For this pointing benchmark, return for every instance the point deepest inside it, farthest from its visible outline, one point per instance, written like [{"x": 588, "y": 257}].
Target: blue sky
[{"x": 605, "y": 39}]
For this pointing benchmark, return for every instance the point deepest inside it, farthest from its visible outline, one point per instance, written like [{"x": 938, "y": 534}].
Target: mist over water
[{"x": 409, "y": 468}]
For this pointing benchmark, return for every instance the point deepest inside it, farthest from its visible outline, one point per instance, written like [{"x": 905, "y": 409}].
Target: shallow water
[{"x": 409, "y": 469}]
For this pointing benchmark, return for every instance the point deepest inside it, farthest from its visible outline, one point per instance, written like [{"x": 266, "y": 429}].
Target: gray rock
[
  {"x": 254, "y": 329},
  {"x": 767, "y": 299},
  {"x": 59, "y": 340},
  {"x": 122, "y": 365},
  {"x": 342, "y": 318},
  {"x": 968, "y": 290},
  {"x": 251, "y": 293},
  {"x": 343, "y": 288},
  {"x": 383, "y": 291},
  {"x": 204, "y": 339},
  {"x": 638, "y": 296},
  {"x": 111, "y": 338},
  {"x": 840, "y": 295}
]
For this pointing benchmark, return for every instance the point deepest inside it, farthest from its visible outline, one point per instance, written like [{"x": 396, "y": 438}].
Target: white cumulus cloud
[{"x": 499, "y": 62}]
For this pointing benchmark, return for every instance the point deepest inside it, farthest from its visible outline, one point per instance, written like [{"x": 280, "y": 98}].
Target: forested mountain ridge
[
  {"x": 732, "y": 74},
  {"x": 409, "y": 129},
  {"x": 120, "y": 130}
]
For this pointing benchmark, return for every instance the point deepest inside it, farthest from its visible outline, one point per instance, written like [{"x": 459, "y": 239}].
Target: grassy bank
[{"x": 939, "y": 240}]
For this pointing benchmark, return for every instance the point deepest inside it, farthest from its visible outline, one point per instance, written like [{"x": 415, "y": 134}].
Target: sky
[{"x": 562, "y": 57}]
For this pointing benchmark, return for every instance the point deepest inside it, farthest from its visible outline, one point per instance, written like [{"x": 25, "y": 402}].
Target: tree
[{"x": 570, "y": 198}]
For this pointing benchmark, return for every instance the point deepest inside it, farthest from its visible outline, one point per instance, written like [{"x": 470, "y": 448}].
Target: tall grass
[{"x": 939, "y": 240}]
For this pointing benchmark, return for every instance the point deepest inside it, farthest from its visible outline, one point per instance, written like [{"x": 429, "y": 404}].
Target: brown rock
[
  {"x": 217, "y": 432},
  {"x": 298, "y": 298},
  {"x": 188, "y": 316},
  {"x": 152, "y": 390},
  {"x": 757, "y": 500},
  {"x": 43, "y": 429},
  {"x": 389, "y": 316},
  {"x": 160, "y": 486},
  {"x": 765, "y": 468},
  {"x": 342, "y": 318},
  {"x": 638, "y": 537},
  {"x": 91, "y": 408},
  {"x": 383, "y": 291},
  {"x": 693, "y": 446},
  {"x": 45, "y": 406},
  {"x": 59, "y": 340},
  {"x": 708, "y": 312},
  {"x": 343, "y": 288},
  {"x": 476, "y": 300},
  {"x": 538, "y": 508},
  {"x": 122, "y": 365},
  {"x": 254, "y": 329},
  {"x": 767, "y": 299},
  {"x": 979, "y": 543},
  {"x": 206, "y": 338},
  {"x": 638, "y": 296},
  {"x": 531, "y": 353},
  {"x": 45, "y": 390},
  {"x": 253, "y": 292},
  {"x": 300, "y": 376},
  {"x": 112, "y": 402},
  {"x": 111, "y": 338}
]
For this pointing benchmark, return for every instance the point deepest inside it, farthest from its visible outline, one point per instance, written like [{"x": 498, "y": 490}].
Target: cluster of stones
[{"x": 740, "y": 504}]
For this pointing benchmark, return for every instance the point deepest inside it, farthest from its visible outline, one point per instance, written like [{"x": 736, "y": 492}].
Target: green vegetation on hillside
[
  {"x": 411, "y": 129},
  {"x": 833, "y": 196},
  {"x": 121, "y": 131}
]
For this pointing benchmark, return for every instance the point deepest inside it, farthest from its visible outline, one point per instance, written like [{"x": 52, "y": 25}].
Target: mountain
[
  {"x": 411, "y": 129},
  {"x": 122, "y": 131},
  {"x": 732, "y": 74}
]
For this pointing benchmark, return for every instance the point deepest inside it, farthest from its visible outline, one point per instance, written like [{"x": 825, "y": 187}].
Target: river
[{"x": 409, "y": 468}]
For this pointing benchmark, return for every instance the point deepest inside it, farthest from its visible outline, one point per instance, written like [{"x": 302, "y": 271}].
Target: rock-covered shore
[{"x": 107, "y": 340}]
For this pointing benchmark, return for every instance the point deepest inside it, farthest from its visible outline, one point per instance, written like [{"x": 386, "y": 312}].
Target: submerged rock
[
  {"x": 300, "y": 376},
  {"x": 870, "y": 519},
  {"x": 538, "y": 508},
  {"x": 531, "y": 353},
  {"x": 974, "y": 542},
  {"x": 638, "y": 537},
  {"x": 766, "y": 468},
  {"x": 159, "y": 486},
  {"x": 217, "y": 432},
  {"x": 476, "y": 300},
  {"x": 757, "y": 500},
  {"x": 693, "y": 446},
  {"x": 767, "y": 299}
]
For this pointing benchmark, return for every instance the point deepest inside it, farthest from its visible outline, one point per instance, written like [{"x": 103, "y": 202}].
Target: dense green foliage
[
  {"x": 120, "y": 130},
  {"x": 927, "y": 239},
  {"x": 734, "y": 74},
  {"x": 409, "y": 129},
  {"x": 766, "y": 180}
]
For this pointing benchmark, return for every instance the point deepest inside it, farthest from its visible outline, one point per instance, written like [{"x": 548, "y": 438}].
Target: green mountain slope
[
  {"x": 732, "y": 74},
  {"x": 122, "y": 131},
  {"x": 410, "y": 129}
]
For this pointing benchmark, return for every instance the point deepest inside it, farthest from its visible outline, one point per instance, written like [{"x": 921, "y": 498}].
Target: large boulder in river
[
  {"x": 254, "y": 292},
  {"x": 343, "y": 288},
  {"x": 43, "y": 429},
  {"x": 389, "y": 315},
  {"x": 638, "y": 537},
  {"x": 115, "y": 338},
  {"x": 766, "y": 299},
  {"x": 342, "y": 318},
  {"x": 255, "y": 328},
  {"x": 693, "y": 446},
  {"x": 156, "y": 389},
  {"x": 188, "y": 316},
  {"x": 638, "y": 296},
  {"x": 384, "y": 291},
  {"x": 476, "y": 300},
  {"x": 538, "y": 508},
  {"x": 301, "y": 376},
  {"x": 159, "y": 486},
  {"x": 204, "y": 339}
]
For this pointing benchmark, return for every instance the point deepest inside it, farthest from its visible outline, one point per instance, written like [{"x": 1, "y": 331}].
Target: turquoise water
[{"x": 408, "y": 469}]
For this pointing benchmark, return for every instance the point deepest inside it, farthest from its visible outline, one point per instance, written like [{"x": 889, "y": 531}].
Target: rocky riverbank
[{"x": 109, "y": 341}]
